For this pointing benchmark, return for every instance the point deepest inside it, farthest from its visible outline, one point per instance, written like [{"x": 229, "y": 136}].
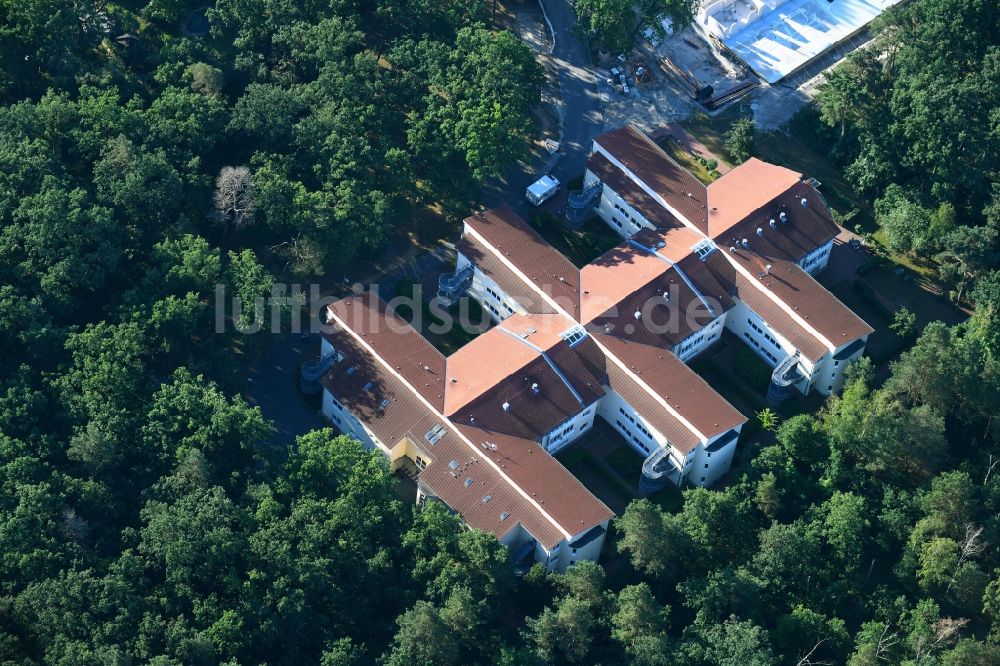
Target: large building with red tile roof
[{"x": 478, "y": 428}]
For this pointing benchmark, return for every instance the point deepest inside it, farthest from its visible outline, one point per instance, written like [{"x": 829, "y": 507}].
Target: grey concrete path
[
  {"x": 271, "y": 385},
  {"x": 579, "y": 107}
]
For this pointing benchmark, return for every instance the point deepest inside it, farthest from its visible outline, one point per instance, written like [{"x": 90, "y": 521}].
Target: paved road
[
  {"x": 580, "y": 113},
  {"x": 271, "y": 386}
]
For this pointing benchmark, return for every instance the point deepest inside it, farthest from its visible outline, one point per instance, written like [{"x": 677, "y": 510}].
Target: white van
[{"x": 541, "y": 190}]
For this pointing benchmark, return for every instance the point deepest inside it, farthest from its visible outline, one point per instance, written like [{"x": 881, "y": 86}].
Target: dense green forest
[
  {"x": 145, "y": 516},
  {"x": 914, "y": 121}
]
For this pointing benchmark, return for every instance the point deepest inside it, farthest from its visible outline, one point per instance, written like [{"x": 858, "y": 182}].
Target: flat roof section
[{"x": 797, "y": 31}]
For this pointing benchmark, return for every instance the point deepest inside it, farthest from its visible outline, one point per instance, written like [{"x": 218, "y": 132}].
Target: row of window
[
  {"x": 760, "y": 349},
  {"x": 767, "y": 336},
  {"x": 628, "y": 435},
  {"x": 637, "y": 424},
  {"x": 692, "y": 342}
]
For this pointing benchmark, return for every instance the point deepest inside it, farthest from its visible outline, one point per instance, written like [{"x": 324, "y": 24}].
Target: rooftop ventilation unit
[
  {"x": 637, "y": 315},
  {"x": 732, "y": 248},
  {"x": 666, "y": 296},
  {"x": 746, "y": 243},
  {"x": 535, "y": 388},
  {"x": 805, "y": 202},
  {"x": 773, "y": 223},
  {"x": 506, "y": 406},
  {"x": 760, "y": 232},
  {"x": 783, "y": 216}
]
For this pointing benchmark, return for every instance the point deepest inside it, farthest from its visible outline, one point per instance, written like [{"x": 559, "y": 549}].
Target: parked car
[
  {"x": 542, "y": 190},
  {"x": 624, "y": 83}
]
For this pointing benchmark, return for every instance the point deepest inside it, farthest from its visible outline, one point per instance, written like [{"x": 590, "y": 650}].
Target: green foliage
[
  {"x": 741, "y": 140},
  {"x": 614, "y": 25},
  {"x": 904, "y": 322}
]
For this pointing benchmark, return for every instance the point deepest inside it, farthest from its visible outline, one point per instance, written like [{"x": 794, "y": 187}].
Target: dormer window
[
  {"x": 574, "y": 335},
  {"x": 703, "y": 248}
]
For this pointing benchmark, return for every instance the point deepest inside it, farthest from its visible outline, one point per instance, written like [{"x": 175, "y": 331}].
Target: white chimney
[
  {"x": 773, "y": 223},
  {"x": 637, "y": 315},
  {"x": 760, "y": 232},
  {"x": 805, "y": 202},
  {"x": 746, "y": 243},
  {"x": 535, "y": 389},
  {"x": 783, "y": 216},
  {"x": 506, "y": 406}
]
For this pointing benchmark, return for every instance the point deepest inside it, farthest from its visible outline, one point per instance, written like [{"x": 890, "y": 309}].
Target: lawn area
[
  {"x": 579, "y": 246},
  {"x": 456, "y": 336},
  {"x": 626, "y": 462},
  {"x": 699, "y": 169},
  {"x": 788, "y": 150}
]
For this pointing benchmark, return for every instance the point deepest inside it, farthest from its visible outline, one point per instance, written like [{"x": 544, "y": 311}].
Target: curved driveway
[{"x": 580, "y": 113}]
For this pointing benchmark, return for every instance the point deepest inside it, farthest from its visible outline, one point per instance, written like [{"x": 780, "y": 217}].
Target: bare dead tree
[
  {"x": 945, "y": 630},
  {"x": 807, "y": 659},
  {"x": 989, "y": 470},
  {"x": 234, "y": 196},
  {"x": 968, "y": 547},
  {"x": 886, "y": 641}
]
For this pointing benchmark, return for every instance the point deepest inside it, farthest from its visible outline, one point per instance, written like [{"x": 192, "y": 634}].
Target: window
[
  {"x": 829, "y": 388},
  {"x": 706, "y": 465},
  {"x": 703, "y": 248},
  {"x": 574, "y": 335},
  {"x": 435, "y": 433}
]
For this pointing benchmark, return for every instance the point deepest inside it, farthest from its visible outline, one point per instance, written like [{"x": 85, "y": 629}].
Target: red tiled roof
[
  {"x": 647, "y": 162},
  {"x": 397, "y": 342},
  {"x": 803, "y": 304},
  {"x": 679, "y": 386},
  {"x": 526, "y": 251},
  {"x": 519, "y": 477},
  {"x": 494, "y": 268},
  {"x": 743, "y": 190},
  {"x": 615, "y": 179},
  {"x": 803, "y": 230}
]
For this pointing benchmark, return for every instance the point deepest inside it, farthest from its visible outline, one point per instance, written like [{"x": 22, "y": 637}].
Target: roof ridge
[
  {"x": 360, "y": 339},
  {"x": 647, "y": 388},
  {"x": 780, "y": 302},
  {"x": 648, "y": 190}
]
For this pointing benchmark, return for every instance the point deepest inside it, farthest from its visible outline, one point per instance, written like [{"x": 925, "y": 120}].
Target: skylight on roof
[
  {"x": 574, "y": 335},
  {"x": 368, "y": 387},
  {"x": 487, "y": 498},
  {"x": 468, "y": 482},
  {"x": 385, "y": 402},
  {"x": 703, "y": 248},
  {"x": 435, "y": 433},
  {"x": 453, "y": 464},
  {"x": 350, "y": 370}
]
